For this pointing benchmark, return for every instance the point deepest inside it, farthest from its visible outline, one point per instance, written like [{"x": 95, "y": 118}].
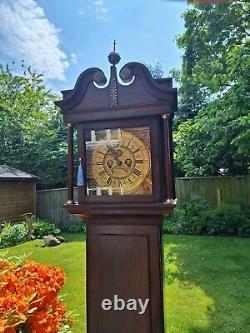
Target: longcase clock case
[{"x": 123, "y": 220}]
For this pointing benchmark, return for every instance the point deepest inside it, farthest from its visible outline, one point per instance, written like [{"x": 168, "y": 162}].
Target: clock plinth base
[{"x": 124, "y": 266}]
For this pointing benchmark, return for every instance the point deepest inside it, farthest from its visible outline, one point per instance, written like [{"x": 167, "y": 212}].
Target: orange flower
[{"x": 28, "y": 297}]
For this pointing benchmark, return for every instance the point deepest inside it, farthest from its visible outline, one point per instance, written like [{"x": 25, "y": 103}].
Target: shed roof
[{"x": 9, "y": 173}]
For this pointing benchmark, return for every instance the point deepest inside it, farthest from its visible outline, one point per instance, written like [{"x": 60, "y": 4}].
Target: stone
[
  {"x": 53, "y": 242},
  {"x": 50, "y": 241},
  {"x": 60, "y": 238}
]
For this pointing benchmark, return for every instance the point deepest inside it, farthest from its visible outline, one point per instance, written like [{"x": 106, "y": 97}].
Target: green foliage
[
  {"x": 75, "y": 226},
  {"x": 12, "y": 234},
  {"x": 65, "y": 328},
  {"x": 156, "y": 70},
  {"x": 191, "y": 219},
  {"x": 227, "y": 220},
  {"x": 197, "y": 218},
  {"x": 32, "y": 133},
  {"x": 212, "y": 125},
  {"x": 215, "y": 141},
  {"x": 195, "y": 206},
  {"x": 43, "y": 228}
]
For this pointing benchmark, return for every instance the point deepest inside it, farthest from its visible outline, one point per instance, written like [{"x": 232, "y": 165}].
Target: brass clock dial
[{"x": 122, "y": 164}]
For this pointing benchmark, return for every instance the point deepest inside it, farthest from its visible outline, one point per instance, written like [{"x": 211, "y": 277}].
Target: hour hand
[{"x": 113, "y": 153}]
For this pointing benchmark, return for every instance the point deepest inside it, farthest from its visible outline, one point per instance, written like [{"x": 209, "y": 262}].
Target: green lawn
[
  {"x": 207, "y": 284},
  {"x": 206, "y": 289}
]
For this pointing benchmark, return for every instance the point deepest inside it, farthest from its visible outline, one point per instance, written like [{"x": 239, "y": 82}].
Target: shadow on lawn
[
  {"x": 74, "y": 237},
  {"x": 220, "y": 267}
]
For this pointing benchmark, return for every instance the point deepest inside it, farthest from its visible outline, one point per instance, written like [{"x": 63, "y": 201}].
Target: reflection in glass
[{"x": 118, "y": 161}]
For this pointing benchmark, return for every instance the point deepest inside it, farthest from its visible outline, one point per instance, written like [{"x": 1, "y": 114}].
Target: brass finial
[{"x": 114, "y": 57}]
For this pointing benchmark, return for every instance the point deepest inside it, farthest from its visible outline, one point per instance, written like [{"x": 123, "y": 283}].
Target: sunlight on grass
[
  {"x": 184, "y": 303},
  {"x": 206, "y": 281},
  {"x": 185, "y": 306},
  {"x": 206, "y": 284}
]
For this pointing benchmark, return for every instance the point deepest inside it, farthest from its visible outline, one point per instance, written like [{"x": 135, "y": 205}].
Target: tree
[
  {"x": 32, "y": 134},
  {"x": 212, "y": 125},
  {"x": 156, "y": 70}
]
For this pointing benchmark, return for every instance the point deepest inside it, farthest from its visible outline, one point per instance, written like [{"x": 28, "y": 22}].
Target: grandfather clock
[{"x": 125, "y": 186}]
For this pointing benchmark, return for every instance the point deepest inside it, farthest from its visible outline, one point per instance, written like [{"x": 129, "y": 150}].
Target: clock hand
[
  {"x": 118, "y": 161},
  {"x": 114, "y": 154},
  {"x": 111, "y": 150}
]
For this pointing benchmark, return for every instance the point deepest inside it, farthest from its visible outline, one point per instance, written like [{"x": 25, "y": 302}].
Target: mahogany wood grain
[
  {"x": 123, "y": 233},
  {"x": 167, "y": 159},
  {"x": 118, "y": 208},
  {"x": 70, "y": 165},
  {"x": 124, "y": 260},
  {"x": 170, "y": 129}
]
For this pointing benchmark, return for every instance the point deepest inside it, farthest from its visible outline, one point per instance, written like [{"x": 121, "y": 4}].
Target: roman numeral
[
  {"x": 137, "y": 172},
  {"x": 109, "y": 181},
  {"x": 139, "y": 161},
  {"x": 134, "y": 152},
  {"x": 99, "y": 163},
  {"x": 101, "y": 173},
  {"x": 130, "y": 180},
  {"x": 129, "y": 142}
]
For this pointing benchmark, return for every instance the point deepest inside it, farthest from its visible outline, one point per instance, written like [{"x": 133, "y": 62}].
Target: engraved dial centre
[{"x": 119, "y": 162}]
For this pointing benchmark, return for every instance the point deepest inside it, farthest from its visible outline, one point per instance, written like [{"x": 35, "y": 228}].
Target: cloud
[
  {"x": 101, "y": 9},
  {"x": 73, "y": 58},
  {"x": 26, "y": 33}
]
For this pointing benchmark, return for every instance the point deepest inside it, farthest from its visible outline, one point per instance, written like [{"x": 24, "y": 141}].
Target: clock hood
[{"x": 133, "y": 90}]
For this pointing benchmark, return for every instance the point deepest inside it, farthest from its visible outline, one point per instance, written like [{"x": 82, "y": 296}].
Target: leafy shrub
[
  {"x": 12, "y": 234},
  {"x": 43, "y": 228},
  {"x": 196, "y": 217},
  {"x": 191, "y": 219},
  {"x": 228, "y": 219},
  {"x": 195, "y": 206},
  {"x": 75, "y": 226}
]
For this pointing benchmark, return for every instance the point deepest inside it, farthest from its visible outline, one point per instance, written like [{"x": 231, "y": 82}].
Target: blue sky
[{"x": 61, "y": 38}]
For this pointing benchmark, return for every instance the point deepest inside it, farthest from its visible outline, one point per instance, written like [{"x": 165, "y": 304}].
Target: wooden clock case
[{"x": 123, "y": 232}]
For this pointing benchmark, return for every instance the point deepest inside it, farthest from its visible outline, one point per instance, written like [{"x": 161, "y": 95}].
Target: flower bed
[{"x": 29, "y": 299}]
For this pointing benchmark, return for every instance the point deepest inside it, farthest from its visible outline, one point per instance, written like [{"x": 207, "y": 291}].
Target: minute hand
[{"x": 114, "y": 154}]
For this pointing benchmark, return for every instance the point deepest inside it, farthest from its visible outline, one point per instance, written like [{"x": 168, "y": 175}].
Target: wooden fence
[
  {"x": 214, "y": 189},
  {"x": 50, "y": 205}
]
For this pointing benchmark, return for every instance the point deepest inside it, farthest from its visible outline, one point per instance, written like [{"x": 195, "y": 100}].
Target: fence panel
[
  {"x": 214, "y": 189},
  {"x": 50, "y": 205}
]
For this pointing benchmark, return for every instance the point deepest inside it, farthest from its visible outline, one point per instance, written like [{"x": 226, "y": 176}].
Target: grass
[{"x": 206, "y": 284}]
